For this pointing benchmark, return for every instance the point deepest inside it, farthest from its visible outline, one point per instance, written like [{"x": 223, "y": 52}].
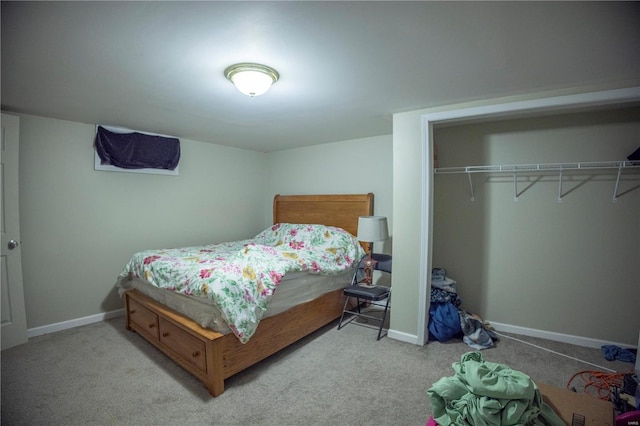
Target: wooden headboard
[{"x": 331, "y": 210}]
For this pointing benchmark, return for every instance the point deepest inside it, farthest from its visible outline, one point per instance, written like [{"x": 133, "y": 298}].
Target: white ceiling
[{"x": 345, "y": 67}]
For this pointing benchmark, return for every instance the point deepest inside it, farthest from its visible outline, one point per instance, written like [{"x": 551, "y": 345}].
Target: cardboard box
[{"x": 566, "y": 403}]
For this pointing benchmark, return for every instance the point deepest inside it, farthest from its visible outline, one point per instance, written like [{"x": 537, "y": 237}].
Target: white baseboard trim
[
  {"x": 392, "y": 334},
  {"x": 551, "y": 335},
  {"x": 403, "y": 337},
  {"x": 65, "y": 325}
]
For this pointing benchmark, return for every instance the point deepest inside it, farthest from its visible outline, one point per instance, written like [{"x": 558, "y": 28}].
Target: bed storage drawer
[
  {"x": 143, "y": 320},
  {"x": 192, "y": 349}
]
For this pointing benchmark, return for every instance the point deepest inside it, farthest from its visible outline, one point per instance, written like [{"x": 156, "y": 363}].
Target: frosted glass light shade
[
  {"x": 251, "y": 79},
  {"x": 372, "y": 229}
]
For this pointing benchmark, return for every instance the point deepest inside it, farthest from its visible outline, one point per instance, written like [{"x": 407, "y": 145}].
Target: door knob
[{"x": 12, "y": 244}]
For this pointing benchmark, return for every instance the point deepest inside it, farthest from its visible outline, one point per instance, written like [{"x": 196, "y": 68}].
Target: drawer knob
[
  {"x": 165, "y": 334},
  {"x": 133, "y": 311},
  {"x": 152, "y": 325},
  {"x": 195, "y": 354}
]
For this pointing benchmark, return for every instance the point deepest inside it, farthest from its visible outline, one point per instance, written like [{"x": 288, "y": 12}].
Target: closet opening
[{"x": 606, "y": 100}]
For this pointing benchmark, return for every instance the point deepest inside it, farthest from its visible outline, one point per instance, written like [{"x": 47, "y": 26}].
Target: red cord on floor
[{"x": 597, "y": 383}]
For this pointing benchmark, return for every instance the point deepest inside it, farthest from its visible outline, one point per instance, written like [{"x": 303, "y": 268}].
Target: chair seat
[{"x": 368, "y": 293}]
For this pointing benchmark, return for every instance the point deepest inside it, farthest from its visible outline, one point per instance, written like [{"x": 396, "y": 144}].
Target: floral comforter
[{"x": 241, "y": 277}]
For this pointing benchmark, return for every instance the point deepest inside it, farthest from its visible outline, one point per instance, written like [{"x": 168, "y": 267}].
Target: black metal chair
[{"x": 377, "y": 295}]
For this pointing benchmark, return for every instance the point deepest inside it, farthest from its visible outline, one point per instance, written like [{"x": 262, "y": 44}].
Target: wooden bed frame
[{"x": 212, "y": 357}]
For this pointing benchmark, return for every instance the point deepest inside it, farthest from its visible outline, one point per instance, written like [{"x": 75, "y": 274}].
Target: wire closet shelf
[{"x": 548, "y": 167}]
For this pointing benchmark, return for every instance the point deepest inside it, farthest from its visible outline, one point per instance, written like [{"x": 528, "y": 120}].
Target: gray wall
[
  {"x": 569, "y": 267},
  {"x": 80, "y": 226},
  {"x": 348, "y": 167}
]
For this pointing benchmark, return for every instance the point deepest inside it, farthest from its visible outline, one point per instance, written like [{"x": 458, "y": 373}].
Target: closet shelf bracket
[
  {"x": 560, "y": 186},
  {"x": 615, "y": 189}
]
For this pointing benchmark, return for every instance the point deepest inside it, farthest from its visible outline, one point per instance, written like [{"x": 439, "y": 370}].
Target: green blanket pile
[{"x": 482, "y": 393}]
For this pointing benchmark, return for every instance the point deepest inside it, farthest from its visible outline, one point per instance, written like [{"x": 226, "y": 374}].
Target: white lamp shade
[{"x": 372, "y": 229}]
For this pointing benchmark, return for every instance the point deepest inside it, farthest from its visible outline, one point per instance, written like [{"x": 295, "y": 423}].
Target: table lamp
[{"x": 371, "y": 229}]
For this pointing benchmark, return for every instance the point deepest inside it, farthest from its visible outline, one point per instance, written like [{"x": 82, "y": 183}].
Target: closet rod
[{"x": 549, "y": 167}]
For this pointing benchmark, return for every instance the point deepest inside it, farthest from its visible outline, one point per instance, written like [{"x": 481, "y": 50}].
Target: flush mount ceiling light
[{"x": 251, "y": 79}]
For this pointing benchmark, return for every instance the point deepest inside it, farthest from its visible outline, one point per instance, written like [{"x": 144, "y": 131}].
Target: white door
[{"x": 14, "y": 319}]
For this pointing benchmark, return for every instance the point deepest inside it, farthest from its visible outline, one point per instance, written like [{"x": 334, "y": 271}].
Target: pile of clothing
[
  {"x": 487, "y": 393},
  {"x": 614, "y": 352},
  {"x": 448, "y": 320}
]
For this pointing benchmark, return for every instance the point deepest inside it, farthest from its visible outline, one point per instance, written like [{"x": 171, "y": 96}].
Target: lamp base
[
  {"x": 366, "y": 284},
  {"x": 369, "y": 266}
]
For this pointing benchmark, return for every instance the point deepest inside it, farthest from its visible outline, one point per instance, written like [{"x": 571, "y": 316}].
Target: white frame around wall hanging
[
  {"x": 565, "y": 103},
  {"x": 109, "y": 168}
]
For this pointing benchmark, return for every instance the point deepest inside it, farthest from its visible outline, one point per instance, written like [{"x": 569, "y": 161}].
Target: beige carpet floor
[{"x": 101, "y": 374}]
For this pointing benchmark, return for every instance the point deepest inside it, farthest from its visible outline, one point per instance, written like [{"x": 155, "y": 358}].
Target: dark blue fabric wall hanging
[{"x": 136, "y": 150}]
